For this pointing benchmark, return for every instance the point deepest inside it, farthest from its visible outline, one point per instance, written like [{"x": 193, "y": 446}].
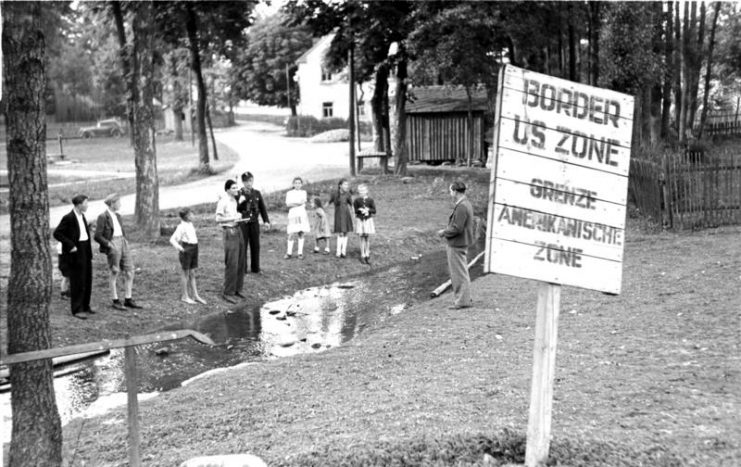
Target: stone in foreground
[{"x": 227, "y": 460}]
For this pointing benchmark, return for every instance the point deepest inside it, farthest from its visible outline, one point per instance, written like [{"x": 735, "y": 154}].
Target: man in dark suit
[
  {"x": 109, "y": 233},
  {"x": 252, "y": 207},
  {"x": 74, "y": 234}
]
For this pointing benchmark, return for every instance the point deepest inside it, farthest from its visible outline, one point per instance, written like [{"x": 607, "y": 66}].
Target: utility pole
[
  {"x": 351, "y": 116},
  {"x": 288, "y": 88}
]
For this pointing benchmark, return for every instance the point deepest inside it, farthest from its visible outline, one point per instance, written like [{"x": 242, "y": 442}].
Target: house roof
[
  {"x": 319, "y": 43},
  {"x": 437, "y": 99}
]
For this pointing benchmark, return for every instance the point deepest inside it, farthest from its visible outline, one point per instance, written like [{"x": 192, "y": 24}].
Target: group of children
[{"x": 349, "y": 215}]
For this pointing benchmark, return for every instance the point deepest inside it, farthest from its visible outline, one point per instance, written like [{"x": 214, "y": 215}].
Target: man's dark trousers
[
  {"x": 251, "y": 234},
  {"x": 81, "y": 278}
]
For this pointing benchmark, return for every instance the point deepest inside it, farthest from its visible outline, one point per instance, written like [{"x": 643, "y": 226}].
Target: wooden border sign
[{"x": 559, "y": 181}]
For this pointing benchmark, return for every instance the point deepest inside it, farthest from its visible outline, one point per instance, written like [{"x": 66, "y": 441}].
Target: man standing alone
[
  {"x": 109, "y": 234},
  {"x": 74, "y": 235},
  {"x": 252, "y": 206},
  {"x": 460, "y": 235}
]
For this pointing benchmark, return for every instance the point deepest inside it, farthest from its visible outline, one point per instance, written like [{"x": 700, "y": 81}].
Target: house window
[
  {"x": 361, "y": 109},
  {"x": 327, "y": 110},
  {"x": 326, "y": 75}
]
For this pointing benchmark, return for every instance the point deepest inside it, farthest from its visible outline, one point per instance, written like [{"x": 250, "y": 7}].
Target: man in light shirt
[
  {"x": 234, "y": 253},
  {"x": 74, "y": 234},
  {"x": 110, "y": 235}
]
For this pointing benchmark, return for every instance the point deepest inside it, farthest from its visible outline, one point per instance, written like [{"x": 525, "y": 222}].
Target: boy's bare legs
[
  {"x": 192, "y": 280},
  {"x": 184, "y": 273}
]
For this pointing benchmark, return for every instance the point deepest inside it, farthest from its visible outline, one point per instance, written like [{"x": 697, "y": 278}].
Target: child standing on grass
[
  {"x": 320, "y": 227},
  {"x": 298, "y": 220},
  {"x": 64, "y": 270},
  {"x": 342, "y": 201},
  {"x": 365, "y": 209},
  {"x": 185, "y": 241}
]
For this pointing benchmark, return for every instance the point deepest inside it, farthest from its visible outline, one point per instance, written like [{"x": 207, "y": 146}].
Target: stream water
[{"x": 312, "y": 320}]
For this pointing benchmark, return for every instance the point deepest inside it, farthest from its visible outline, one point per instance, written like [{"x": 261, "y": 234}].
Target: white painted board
[{"x": 559, "y": 181}]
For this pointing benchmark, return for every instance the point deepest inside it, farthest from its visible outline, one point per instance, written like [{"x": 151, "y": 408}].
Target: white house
[{"x": 324, "y": 94}]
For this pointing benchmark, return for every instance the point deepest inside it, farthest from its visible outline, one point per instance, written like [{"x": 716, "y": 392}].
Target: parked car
[{"x": 108, "y": 127}]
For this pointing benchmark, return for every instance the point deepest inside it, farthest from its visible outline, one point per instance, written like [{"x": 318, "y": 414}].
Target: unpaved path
[
  {"x": 263, "y": 150},
  {"x": 272, "y": 158}
]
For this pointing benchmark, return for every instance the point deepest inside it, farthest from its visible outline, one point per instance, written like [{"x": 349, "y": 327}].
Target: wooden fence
[
  {"x": 706, "y": 194},
  {"x": 723, "y": 123},
  {"x": 688, "y": 192},
  {"x": 443, "y": 136}
]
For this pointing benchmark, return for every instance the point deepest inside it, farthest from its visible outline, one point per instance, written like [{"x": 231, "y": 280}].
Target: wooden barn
[{"x": 437, "y": 124}]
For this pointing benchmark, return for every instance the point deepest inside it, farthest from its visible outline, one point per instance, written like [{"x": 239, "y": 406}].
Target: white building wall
[{"x": 315, "y": 92}]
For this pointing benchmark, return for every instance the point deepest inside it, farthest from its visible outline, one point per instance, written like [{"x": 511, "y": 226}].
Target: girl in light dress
[
  {"x": 298, "y": 220},
  {"x": 320, "y": 227},
  {"x": 343, "y": 215},
  {"x": 365, "y": 209}
]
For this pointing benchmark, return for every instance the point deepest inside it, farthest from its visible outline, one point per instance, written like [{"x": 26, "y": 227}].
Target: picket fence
[
  {"x": 723, "y": 124},
  {"x": 688, "y": 192}
]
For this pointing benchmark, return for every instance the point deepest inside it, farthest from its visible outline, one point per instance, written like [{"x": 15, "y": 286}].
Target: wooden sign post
[{"x": 557, "y": 197}]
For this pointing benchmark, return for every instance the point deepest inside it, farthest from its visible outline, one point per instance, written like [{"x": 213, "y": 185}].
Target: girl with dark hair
[{"x": 343, "y": 215}]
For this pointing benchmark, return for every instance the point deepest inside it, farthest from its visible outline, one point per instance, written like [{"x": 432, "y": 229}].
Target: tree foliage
[{"x": 264, "y": 69}]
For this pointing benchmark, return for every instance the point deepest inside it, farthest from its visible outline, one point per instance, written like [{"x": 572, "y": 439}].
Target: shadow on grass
[{"x": 506, "y": 447}]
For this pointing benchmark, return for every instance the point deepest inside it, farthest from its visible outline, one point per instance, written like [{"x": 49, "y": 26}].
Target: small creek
[{"x": 312, "y": 320}]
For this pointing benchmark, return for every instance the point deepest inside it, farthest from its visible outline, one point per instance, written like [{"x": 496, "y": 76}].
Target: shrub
[{"x": 306, "y": 125}]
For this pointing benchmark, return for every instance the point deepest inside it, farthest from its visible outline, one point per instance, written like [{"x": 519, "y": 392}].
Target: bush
[{"x": 303, "y": 126}]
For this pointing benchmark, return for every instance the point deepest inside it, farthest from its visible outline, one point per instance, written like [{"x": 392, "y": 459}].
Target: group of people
[
  {"x": 75, "y": 257},
  {"x": 238, "y": 213}
]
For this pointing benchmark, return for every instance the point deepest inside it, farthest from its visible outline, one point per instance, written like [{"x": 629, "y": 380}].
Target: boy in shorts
[{"x": 185, "y": 241}]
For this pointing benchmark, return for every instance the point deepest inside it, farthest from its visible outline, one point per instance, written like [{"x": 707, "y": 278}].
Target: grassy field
[
  {"x": 650, "y": 377},
  {"x": 113, "y": 158}
]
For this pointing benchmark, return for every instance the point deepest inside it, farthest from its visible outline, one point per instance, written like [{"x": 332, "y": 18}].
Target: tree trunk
[
  {"x": 666, "y": 98},
  {"x": 352, "y": 105},
  {"x": 177, "y": 104},
  {"x": 572, "y": 51},
  {"x": 469, "y": 121},
  {"x": 192, "y": 27},
  {"x": 696, "y": 69},
  {"x": 379, "y": 106},
  {"x": 125, "y": 54},
  {"x": 709, "y": 67},
  {"x": 594, "y": 31},
  {"x": 397, "y": 118},
  {"x": 146, "y": 207},
  {"x": 677, "y": 71},
  {"x": 211, "y": 131},
  {"x": 684, "y": 82},
  {"x": 36, "y": 432}
]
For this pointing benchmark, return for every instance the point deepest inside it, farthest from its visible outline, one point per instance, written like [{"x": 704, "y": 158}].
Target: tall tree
[
  {"x": 138, "y": 64},
  {"x": 36, "y": 437},
  {"x": 265, "y": 68},
  {"x": 208, "y": 29},
  {"x": 373, "y": 27},
  {"x": 631, "y": 61},
  {"x": 708, "y": 70},
  {"x": 459, "y": 45}
]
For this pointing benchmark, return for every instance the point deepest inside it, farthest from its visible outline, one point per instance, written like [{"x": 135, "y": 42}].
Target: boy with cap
[{"x": 110, "y": 235}]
